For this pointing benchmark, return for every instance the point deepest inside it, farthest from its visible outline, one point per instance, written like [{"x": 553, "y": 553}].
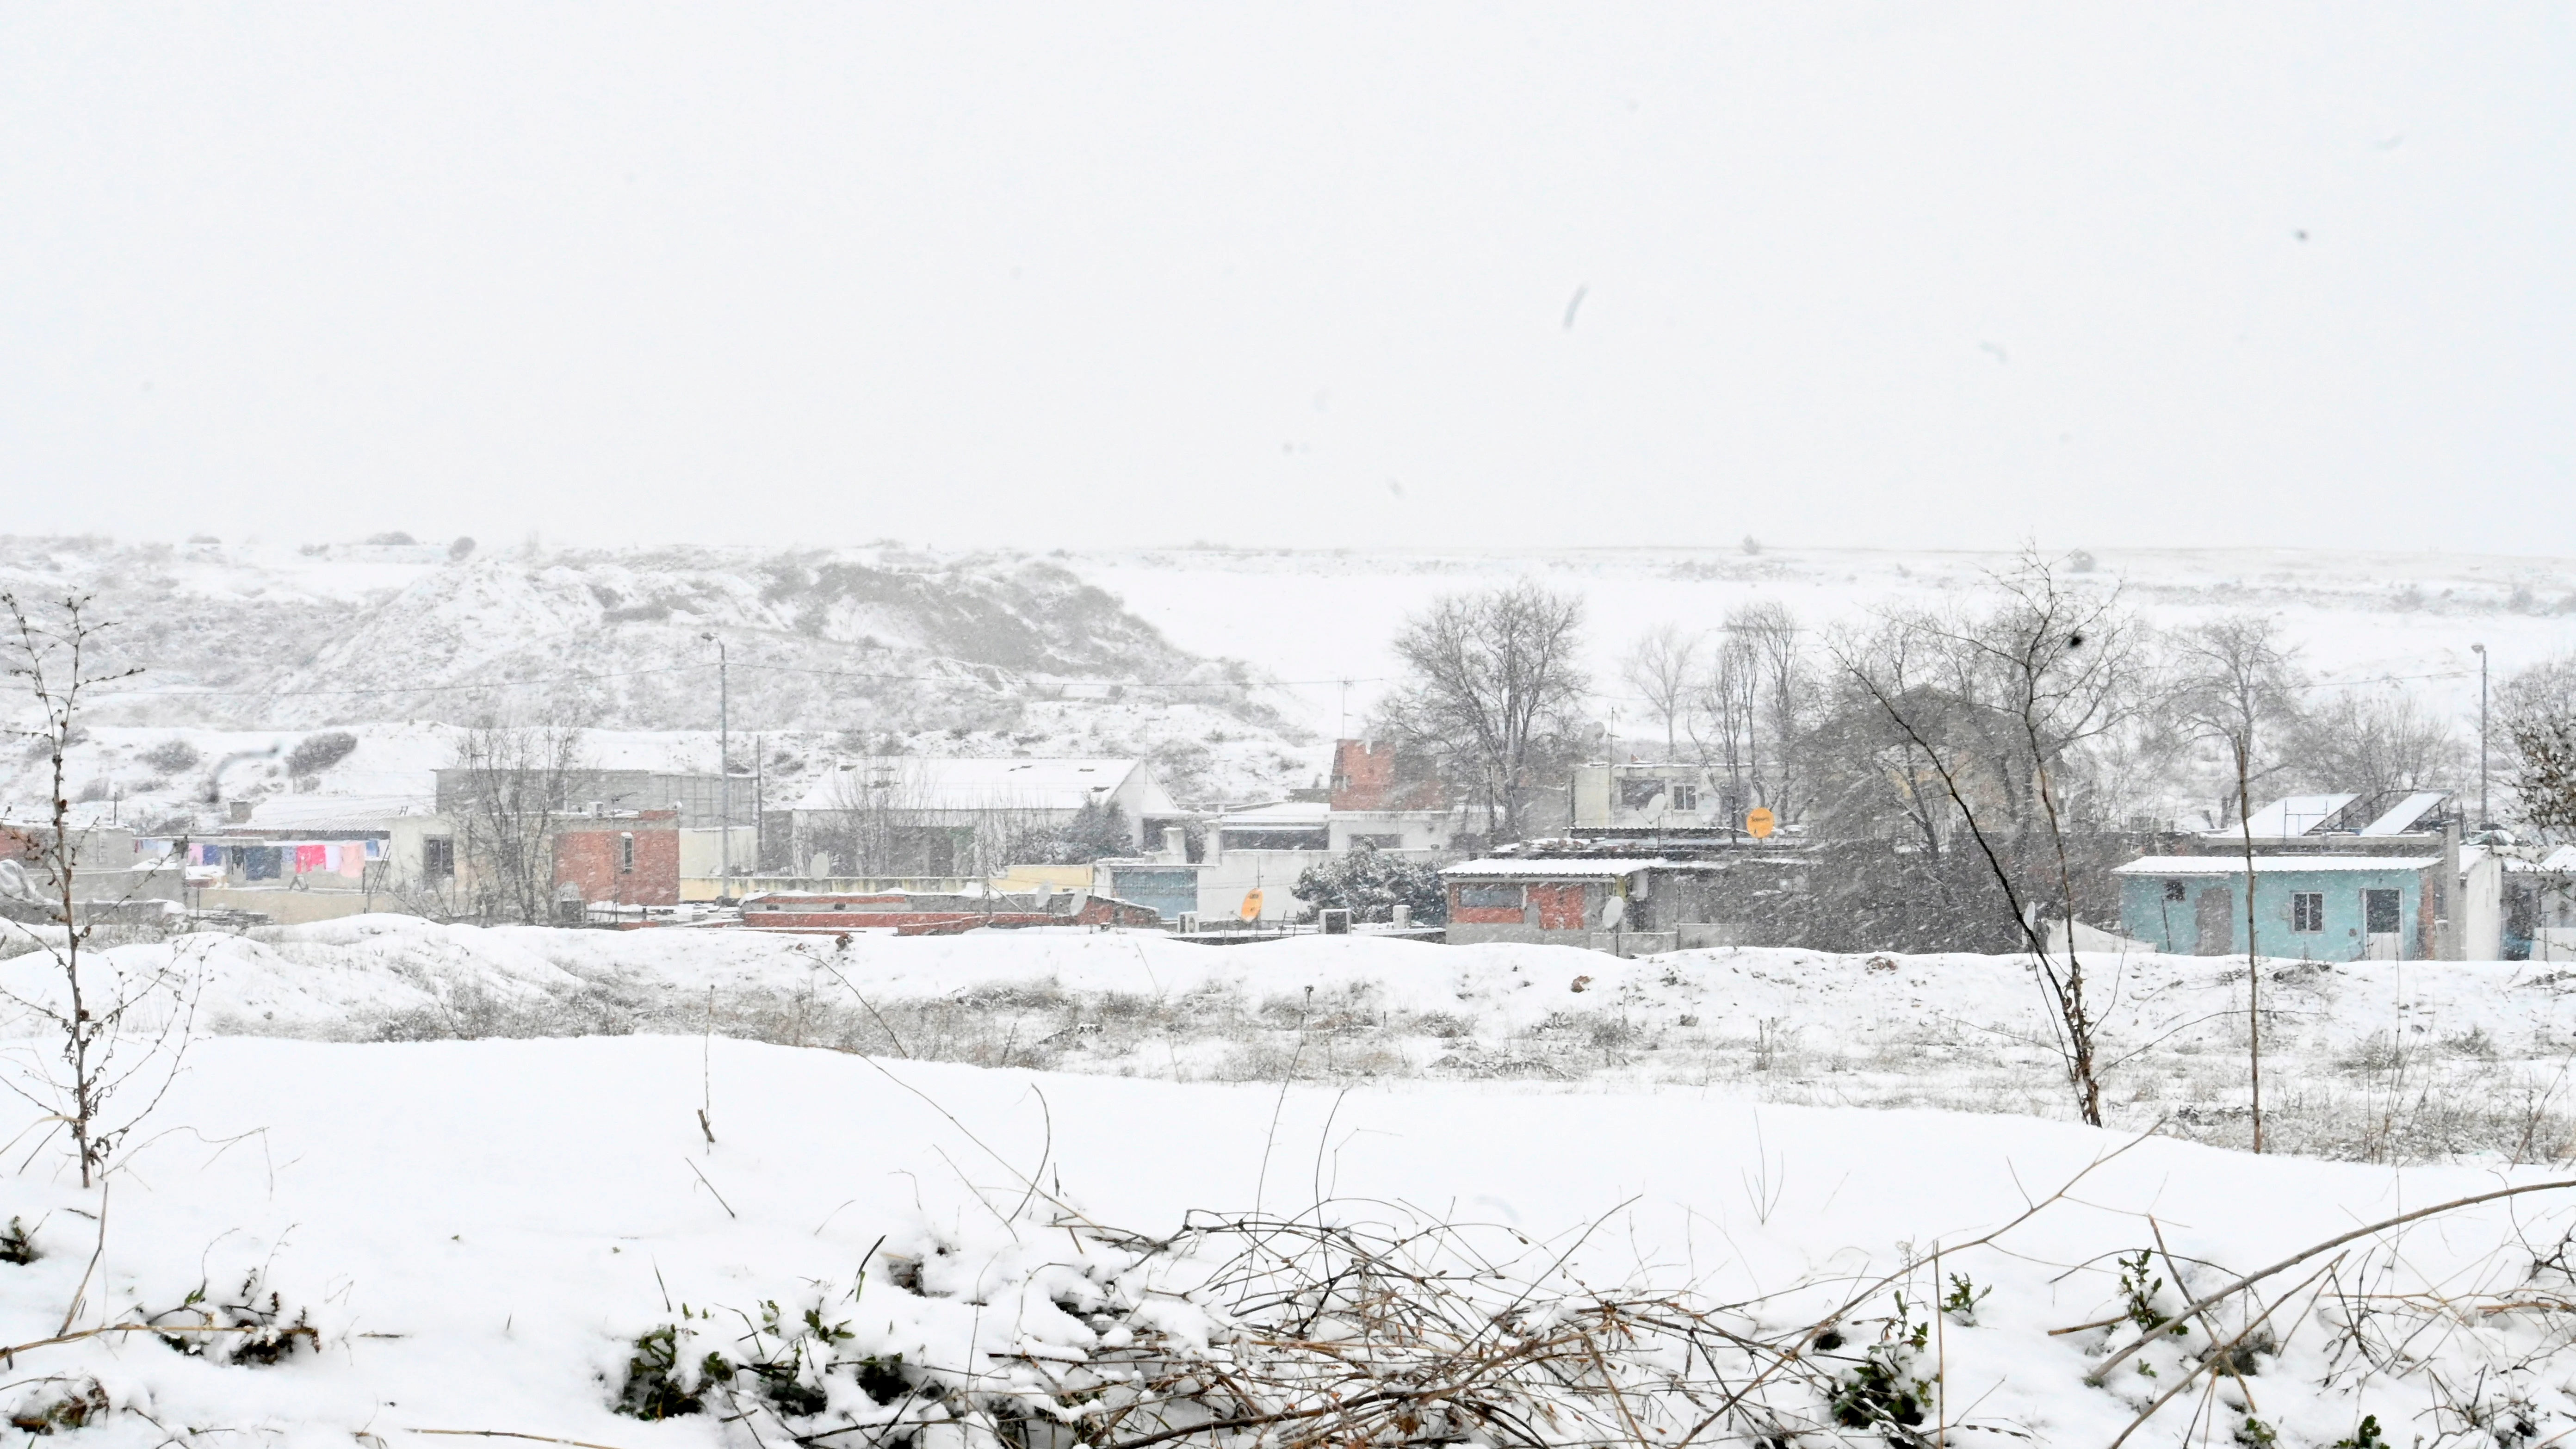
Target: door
[
  {"x": 2381, "y": 922},
  {"x": 2213, "y": 913}
]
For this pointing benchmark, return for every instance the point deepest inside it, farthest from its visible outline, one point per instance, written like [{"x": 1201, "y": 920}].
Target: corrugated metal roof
[{"x": 2270, "y": 864}]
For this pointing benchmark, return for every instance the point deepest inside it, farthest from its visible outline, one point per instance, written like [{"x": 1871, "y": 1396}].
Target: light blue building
[{"x": 2316, "y": 907}]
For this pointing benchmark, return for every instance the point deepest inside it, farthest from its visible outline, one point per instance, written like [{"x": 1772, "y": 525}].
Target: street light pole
[
  {"x": 2483, "y": 818},
  {"x": 724, "y": 766}
]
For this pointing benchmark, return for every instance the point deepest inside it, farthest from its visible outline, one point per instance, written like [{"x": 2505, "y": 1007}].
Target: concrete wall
[
  {"x": 1224, "y": 880},
  {"x": 1416, "y": 832},
  {"x": 1669, "y": 796}
]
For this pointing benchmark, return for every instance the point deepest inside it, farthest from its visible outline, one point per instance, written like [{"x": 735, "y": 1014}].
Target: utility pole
[
  {"x": 724, "y": 766},
  {"x": 2483, "y": 817}
]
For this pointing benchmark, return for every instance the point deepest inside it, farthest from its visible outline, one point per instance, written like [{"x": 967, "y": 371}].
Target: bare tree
[
  {"x": 876, "y": 806},
  {"x": 519, "y": 784},
  {"x": 1722, "y": 720},
  {"x": 2379, "y": 741},
  {"x": 1661, "y": 667},
  {"x": 1491, "y": 687},
  {"x": 2000, "y": 706},
  {"x": 1772, "y": 638},
  {"x": 53, "y": 650},
  {"x": 2538, "y": 710},
  {"x": 2239, "y": 685}
]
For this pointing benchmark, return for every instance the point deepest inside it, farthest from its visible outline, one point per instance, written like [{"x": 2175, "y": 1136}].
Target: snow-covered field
[
  {"x": 486, "y": 1235},
  {"x": 2375, "y": 1061}
]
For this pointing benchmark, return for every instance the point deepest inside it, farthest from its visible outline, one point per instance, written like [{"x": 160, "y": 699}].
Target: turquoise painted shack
[{"x": 2310, "y": 907}]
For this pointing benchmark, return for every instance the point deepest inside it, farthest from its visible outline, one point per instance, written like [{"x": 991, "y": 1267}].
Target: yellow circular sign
[
  {"x": 1251, "y": 905},
  {"x": 1759, "y": 822}
]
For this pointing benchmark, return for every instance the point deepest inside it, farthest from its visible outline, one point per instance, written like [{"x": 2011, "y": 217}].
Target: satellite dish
[
  {"x": 1613, "y": 911},
  {"x": 1251, "y": 905}
]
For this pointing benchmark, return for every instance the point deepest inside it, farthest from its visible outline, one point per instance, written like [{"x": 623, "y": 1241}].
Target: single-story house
[
  {"x": 1634, "y": 907},
  {"x": 2319, "y": 907},
  {"x": 300, "y": 858}
]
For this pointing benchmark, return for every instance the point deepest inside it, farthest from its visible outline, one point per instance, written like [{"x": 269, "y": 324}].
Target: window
[
  {"x": 1638, "y": 792},
  {"x": 1685, "y": 796},
  {"x": 1489, "y": 898},
  {"x": 2380, "y": 913},
  {"x": 1378, "y": 842},
  {"x": 2174, "y": 890},
  {"x": 438, "y": 857},
  {"x": 2307, "y": 911},
  {"x": 625, "y": 850}
]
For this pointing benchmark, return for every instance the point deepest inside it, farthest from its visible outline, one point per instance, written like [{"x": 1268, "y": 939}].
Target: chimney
[{"x": 237, "y": 812}]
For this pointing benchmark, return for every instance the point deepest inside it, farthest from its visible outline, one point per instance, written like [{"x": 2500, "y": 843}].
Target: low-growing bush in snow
[{"x": 318, "y": 752}]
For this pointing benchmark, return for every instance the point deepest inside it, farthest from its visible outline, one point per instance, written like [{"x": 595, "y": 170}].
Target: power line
[{"x": 183, "y": 692}]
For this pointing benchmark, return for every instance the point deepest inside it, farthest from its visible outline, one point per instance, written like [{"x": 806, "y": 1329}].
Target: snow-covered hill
[
  {"x": 245, "y": 648},
  {"x": 1231, "y": 669}
]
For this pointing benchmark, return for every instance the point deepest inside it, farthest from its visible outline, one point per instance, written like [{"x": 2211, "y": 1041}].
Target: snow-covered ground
[
  {"x": 480, "y": 1234},
  {"x": 2376, "y": 1061},
  {"x": 485, "y": 1235}
]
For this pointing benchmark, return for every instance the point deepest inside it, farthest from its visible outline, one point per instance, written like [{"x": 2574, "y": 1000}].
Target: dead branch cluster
[
  {"x": 1291, "y": 1332},
  {"x": 1367, "y": 1326}
]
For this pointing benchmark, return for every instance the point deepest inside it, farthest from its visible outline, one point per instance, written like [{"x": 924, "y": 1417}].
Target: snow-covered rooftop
[
  {"x": 946, "y": 782},
  {"x": 2272, "y": 864},
  {"x": 1282, "y": 815}
]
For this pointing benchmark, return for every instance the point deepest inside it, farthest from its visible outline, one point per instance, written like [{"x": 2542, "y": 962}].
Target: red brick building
[{"x": 626, "y": 860}]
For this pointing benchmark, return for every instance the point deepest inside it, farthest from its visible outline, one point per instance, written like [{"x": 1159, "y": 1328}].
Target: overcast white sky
[{"x": 1298, "y": 275}]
